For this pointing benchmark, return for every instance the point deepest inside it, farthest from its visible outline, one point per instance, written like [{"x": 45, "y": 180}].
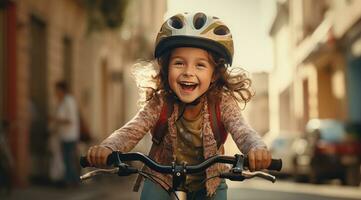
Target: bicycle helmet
[{"x": 195, "y": 30}]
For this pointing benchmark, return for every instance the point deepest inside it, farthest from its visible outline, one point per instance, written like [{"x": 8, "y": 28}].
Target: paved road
[
  {"x": 285, "y": 190},
  {"x": 112, "y": 188},
  {"x": 104, "y": 188},
  {"x": 254, "y": 194}
]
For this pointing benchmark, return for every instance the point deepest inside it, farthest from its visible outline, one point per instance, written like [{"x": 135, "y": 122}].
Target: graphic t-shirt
[{"x": 190, "y": 149}]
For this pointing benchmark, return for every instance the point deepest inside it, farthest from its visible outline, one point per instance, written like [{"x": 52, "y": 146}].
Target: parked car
[
  {"x": 282, "y": 147},
  {"x": 330, "y": 149}
]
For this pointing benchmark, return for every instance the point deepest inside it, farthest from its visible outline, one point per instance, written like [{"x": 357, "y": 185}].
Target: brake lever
[
  {"x": 122, "y": 170},
  {"x": 126, "y": 170},
  {"x": 97, "y": 172},
  {"x": 264, "y": 175}
]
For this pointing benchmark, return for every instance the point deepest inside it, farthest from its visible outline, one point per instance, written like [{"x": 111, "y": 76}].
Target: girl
[{"x": 193, "y": 52}]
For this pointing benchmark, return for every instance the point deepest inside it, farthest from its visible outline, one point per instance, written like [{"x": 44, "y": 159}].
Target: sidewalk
[
  {"x": 106, "y": 188},
  {"x": 329, "y": 190}
]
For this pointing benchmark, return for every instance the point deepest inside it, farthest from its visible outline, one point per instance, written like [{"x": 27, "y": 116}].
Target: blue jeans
[
  {"x": 70, "y": 162},
  {"x": 154, "y": 191}
]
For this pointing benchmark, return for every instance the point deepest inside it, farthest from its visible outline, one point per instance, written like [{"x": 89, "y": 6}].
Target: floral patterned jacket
[{"x": 125, "y": 138}]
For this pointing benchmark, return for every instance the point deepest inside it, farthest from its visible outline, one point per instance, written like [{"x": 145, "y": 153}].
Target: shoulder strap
[
  {"x": 158, "y": 133},
  {"x": 215, "y": 117},
  {"x": 161, "y": 126}
]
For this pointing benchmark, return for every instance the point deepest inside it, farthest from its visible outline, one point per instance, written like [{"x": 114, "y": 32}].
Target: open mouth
[{"x": 188, "y": 86}]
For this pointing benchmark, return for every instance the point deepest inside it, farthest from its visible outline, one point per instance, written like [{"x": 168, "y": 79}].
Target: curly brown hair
[{"x": 234, "y": 82}]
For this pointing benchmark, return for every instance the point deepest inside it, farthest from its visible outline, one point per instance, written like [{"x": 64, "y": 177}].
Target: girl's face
[{"x": 190, "y": 73}]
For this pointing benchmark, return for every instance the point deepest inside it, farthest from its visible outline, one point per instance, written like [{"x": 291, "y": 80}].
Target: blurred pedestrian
[
  {"x": 57, "y": 168},
  {"x": 66, "y": 122}
]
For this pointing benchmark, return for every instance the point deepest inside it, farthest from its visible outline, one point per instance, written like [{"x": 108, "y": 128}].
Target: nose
[{"x": 188, "y": 70}]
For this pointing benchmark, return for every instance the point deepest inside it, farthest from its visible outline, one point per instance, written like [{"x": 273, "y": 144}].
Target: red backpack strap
[
  {"x": 161, "y": 126},
  {"x": 158, "y": 133},
  {"x": 215, "y": 117}
]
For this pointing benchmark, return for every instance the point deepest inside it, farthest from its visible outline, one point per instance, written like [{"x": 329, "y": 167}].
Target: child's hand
[
  {"x": 259, "y": 158},
  {"x": 97, "y": 156}
]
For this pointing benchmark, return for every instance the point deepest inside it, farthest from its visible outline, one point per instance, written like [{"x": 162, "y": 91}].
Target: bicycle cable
[
  {"x": 153, "y": 178},
  {"x": 209, "y": 178},
  {"x": 159, "y": 181}
]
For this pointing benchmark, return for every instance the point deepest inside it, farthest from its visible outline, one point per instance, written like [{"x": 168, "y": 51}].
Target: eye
[
  {"x": 201, "y": 65},
  {"x": 177, "y": 63}
]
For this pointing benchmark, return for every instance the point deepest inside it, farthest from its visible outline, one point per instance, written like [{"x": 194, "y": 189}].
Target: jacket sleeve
[
  {"x": 125, "y": 138},
  {"x": 244, "y": 136}
]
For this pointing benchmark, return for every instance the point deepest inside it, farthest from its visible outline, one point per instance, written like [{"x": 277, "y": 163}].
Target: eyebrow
[{"x": 198, "y": 59}]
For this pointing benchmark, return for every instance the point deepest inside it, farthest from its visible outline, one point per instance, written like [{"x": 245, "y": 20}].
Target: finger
[
  {"x": 95, "y": 156},
  {"x": 104, "y": 156},
  {"x": 88, "y": 156},
  {"x": 265, "y": 159},
  {"x": 92, "y": 156},
  {"x": 269, "y": 159},
  {"x": 99, "y": 157},
  {"x": 251, "y": 161},
  {"x": 258, "y": 159}
]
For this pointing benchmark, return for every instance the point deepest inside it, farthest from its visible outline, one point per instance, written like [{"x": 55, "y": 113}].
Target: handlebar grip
[
  {"x": 232, "y": 176},
  {"x": 276, "y": 164},
  {"x": 84, "y": 162}
]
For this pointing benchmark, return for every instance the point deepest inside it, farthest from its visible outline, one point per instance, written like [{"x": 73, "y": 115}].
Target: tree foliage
[{"x": 103, "y": 14}]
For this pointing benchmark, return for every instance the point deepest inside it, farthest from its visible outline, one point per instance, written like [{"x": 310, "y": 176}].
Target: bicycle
[{"x": 179, "y": 172}]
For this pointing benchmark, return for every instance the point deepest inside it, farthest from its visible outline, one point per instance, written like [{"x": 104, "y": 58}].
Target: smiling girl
[{"x": 193, "y": 52}]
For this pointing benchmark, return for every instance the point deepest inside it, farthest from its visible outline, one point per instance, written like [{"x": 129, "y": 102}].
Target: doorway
[{"x": 38, "y": 101}]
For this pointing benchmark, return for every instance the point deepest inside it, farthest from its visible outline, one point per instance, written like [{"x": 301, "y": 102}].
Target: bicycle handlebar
[{"x": 276, "y": 164}]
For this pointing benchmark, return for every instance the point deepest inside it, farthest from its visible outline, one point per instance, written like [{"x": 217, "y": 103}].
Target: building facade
[
  {"x": 42, "y": 43},
  {"x": 317, "y": 68},
  {"x": 259, "y": 103}
]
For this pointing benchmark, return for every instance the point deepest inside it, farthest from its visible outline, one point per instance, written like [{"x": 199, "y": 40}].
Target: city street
[
  {"x": 285, "y": 190},
  {"x": 284, "y": 74},
  {"x": 105, "y": 188},
  {"x": 111, "y": 188}
]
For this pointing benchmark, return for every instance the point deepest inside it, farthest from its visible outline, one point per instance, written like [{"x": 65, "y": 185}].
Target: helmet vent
[
  {"x": 199, "y": 20},
  {"x": 175, "y": 22},
  {"x": 221, "y": 30}
]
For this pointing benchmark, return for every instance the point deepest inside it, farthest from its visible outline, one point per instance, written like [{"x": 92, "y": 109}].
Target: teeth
[{"x": 187, "y": 83}]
